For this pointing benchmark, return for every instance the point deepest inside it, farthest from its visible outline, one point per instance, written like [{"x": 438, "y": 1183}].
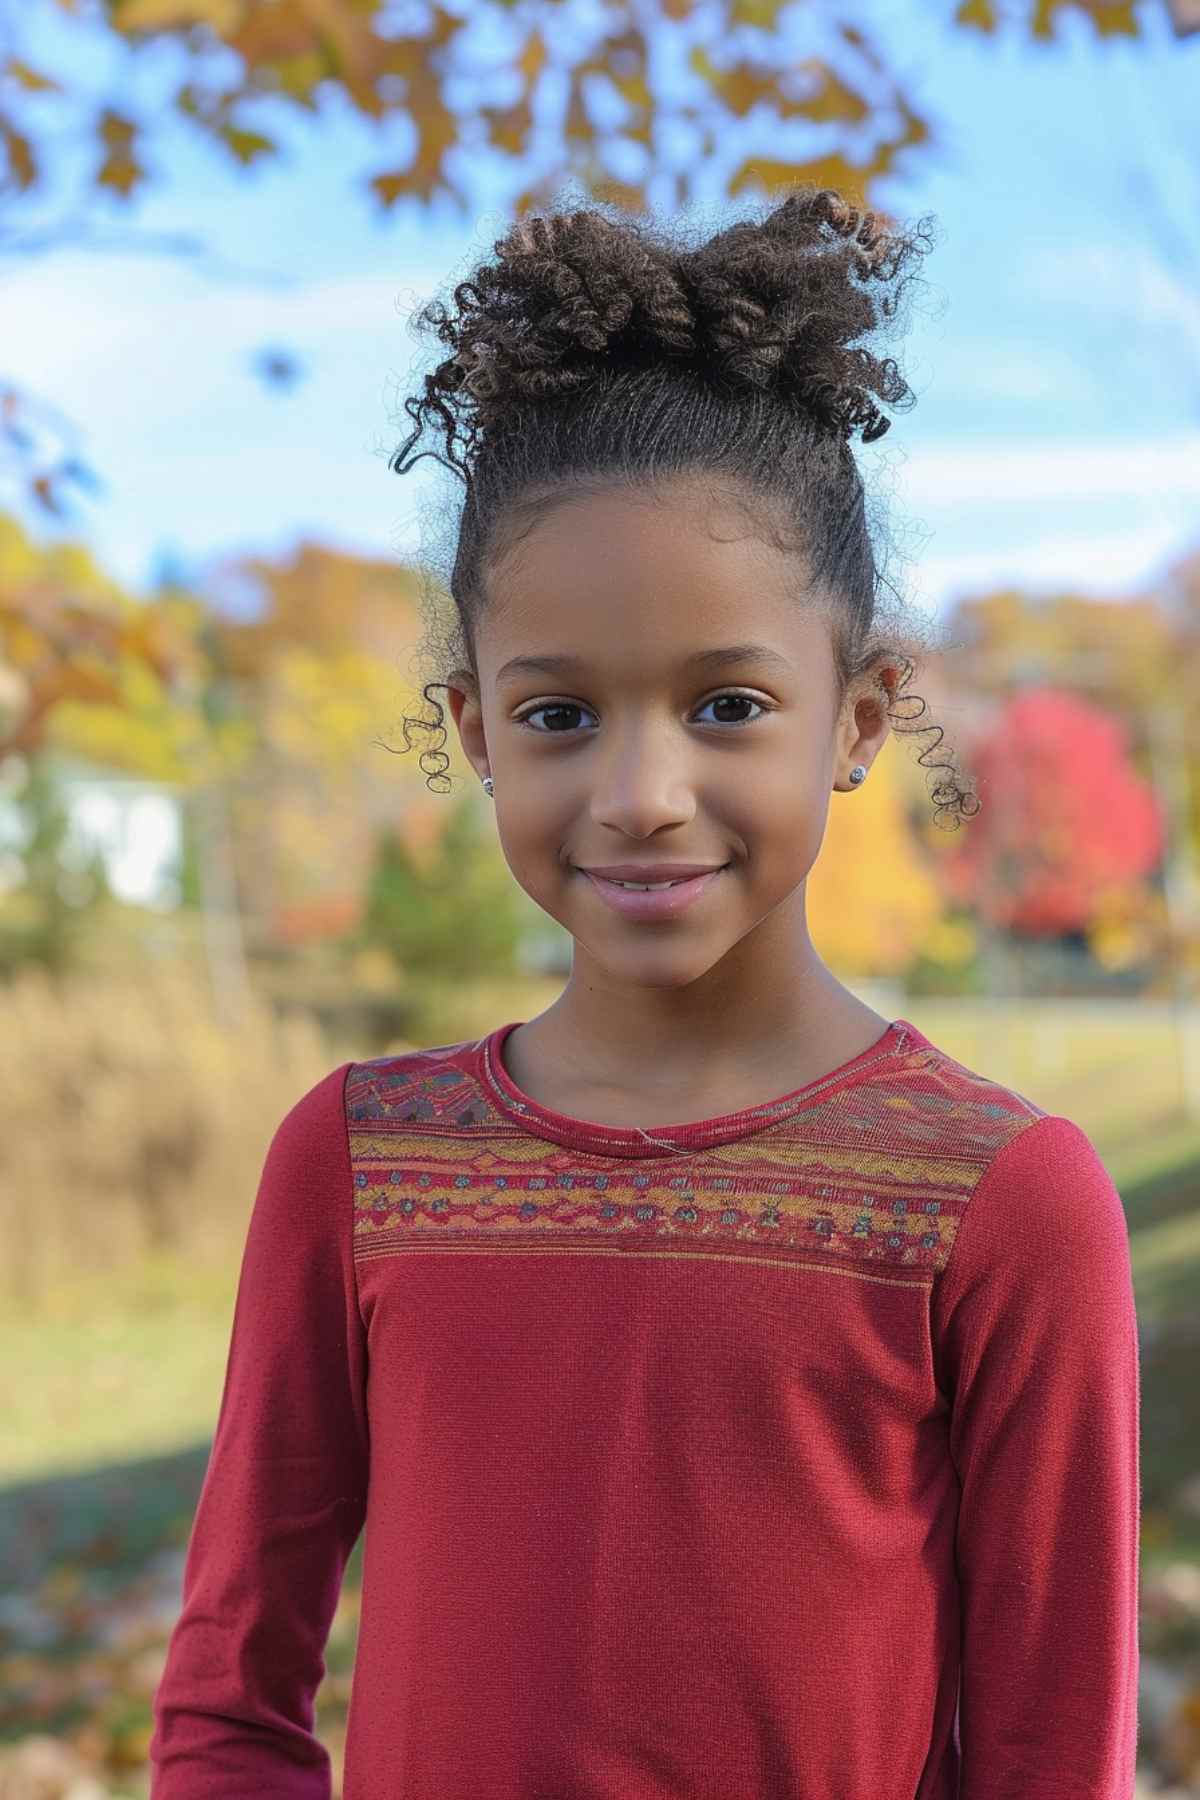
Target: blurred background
[{"x": 217, "y": 880}]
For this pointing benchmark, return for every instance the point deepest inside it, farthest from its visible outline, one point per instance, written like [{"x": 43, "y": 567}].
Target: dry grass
[
  {"x": 133, "y": 1129},
  {"x": 132, "y": 1124},
  {"x": 129, "y": 1121}
]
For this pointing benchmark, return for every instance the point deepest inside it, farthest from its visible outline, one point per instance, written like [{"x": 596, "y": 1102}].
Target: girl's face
[{"x": 635, "y": 749}]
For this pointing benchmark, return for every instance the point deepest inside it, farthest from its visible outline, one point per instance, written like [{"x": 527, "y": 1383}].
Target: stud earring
[
  {"x": 488, "y": 785},
  {"x": 858, "y": 774}
]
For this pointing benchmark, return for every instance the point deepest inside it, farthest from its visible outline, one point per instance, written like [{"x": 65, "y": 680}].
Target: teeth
[{"x": 645, "y": 887}]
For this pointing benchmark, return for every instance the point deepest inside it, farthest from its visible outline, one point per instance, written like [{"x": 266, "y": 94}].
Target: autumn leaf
[
  {"x": 221, "y": 16},
  {"x": 23, "y": 165},
  {"x": 292, "y": 50},
  {"x": 121, "y": 173},
  {"x": 30, "y": 79},
  {"x": 764, "y": 13},
  {"x": 833, "y": 100},
  {"x": 978, "y": 14},
  {"x": 246, "y": 145},
  {"x": 1111, "y": 18},
  {"x": 533, "y": 59},
  {"x": 1066, "y": 816},
  {"x": 388, "y": 187},
  {"x": 578, "y": 128},
  {"x": 872, "y": 895},
  {"x": 509, "y": 126},
  {"x": 624, "y": 194},
  {"x": 827, "y": 171}
]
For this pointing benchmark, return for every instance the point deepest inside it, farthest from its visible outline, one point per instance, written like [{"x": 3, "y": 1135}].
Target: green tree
[
  {"x": 43, "y": 921},
  {"x": 457, "y": 910}
]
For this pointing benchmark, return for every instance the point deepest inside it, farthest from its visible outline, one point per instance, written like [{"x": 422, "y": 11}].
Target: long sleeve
[
  {"x": 284, "y": 1494},
  {"x": 1035, "y": 1345}
]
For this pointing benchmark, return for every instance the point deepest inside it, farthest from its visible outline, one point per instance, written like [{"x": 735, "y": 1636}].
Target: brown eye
[
  {"x": 551, "y": 706},
  {"x": 556, "y": 709},
  {"x": 736, "y": 700}
]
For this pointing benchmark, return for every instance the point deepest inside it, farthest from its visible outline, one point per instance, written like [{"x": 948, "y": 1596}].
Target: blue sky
[{"x": 1055, "y": 351}]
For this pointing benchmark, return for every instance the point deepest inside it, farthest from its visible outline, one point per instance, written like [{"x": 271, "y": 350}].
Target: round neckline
[{"x": 692, "y": 1134}]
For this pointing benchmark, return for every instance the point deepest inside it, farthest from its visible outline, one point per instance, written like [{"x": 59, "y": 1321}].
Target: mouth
[{"x": 659, "y": 900}]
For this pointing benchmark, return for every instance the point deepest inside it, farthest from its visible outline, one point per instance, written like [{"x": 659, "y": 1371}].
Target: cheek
[{"x": 785, "y": 825}]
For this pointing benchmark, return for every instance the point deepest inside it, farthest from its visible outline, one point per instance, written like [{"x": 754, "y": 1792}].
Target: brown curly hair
[{"x": 599, "y": 349}]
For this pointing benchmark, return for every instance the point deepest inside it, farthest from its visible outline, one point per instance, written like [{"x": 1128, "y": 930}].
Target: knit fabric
[{"x": 790, "y": 1454}]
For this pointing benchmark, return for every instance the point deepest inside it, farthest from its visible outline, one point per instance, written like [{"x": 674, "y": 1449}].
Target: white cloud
[
  {"x": 1049, "y": 470},
  {"x": 150, "y": 360},
  {"x": 71, "y": 317},
  {"x": 1122, "y": 280},
  {"x": 1114, "y": 565}
]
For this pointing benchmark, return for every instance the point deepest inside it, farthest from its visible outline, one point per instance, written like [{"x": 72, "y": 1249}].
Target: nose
[{"x": 640, "y": 784}]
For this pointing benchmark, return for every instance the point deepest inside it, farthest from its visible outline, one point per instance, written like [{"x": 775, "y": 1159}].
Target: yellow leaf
[
  {"x": 578, "y": 126},
  {"x": 509, "y": 126},
  {"x": 624, "y": 194},
  {"x": 1111, "y": 18},
  {"x": 246, "y": 145},
  {"x": 22, "y": 163},
  {"x": 121, "y": 173},
  {"x": 1118, "y": 19},
  {"x": 445, "y": 27},
  {"x": 832, "y": 100},
  {"x": 764, "y": 13},
  {"x": 23, "y": 647},
  {"x": 437, "y": 129},
  {"x": 30, "y": 79},
  {"x": 299, "y": 75},
  {"x": 221, "y": 16},
  {"x": 741, "y": 87},
  {"x": 980, "y": 14},
  {"x": 871, "y": 896},
  {"x": 532, "y": 59},
  {"x": 916, "y": 129},
  {"x": 825, "y": 171},
  {"x": 531, "y": 198},
  {"x": 116, "y": 131},
  {"x": 389, "y": 187}
]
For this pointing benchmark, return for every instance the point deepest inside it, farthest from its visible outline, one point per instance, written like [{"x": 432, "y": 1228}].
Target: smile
[{"x": 662, "y": 901}]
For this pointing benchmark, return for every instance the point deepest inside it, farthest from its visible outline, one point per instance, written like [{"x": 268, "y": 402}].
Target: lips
[
  {"x": 649, "y": 872},
  {"x": 662, "y": 903}
]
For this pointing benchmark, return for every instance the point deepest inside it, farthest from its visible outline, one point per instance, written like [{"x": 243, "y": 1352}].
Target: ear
[
  {"x": 864, "y": 724},
  {"x": 462, "y": 691}
]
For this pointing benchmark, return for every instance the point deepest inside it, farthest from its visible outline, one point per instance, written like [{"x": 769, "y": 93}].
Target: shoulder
[
  {"x": 928, "y": 1082},
  {"x": 988, "y": 1154},
  {"x": 436, "y": 1084}
]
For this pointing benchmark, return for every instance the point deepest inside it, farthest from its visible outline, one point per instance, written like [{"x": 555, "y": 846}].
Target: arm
[
  {"x": 284, "y": 1495},
  {"x": 1035, "y": 1339}
]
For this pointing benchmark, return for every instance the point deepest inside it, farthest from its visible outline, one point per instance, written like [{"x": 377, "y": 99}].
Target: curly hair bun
[{"x": 774, "y": 303}]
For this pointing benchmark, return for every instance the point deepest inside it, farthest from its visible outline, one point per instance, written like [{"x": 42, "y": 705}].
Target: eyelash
[{"x": 578, "y": 706}]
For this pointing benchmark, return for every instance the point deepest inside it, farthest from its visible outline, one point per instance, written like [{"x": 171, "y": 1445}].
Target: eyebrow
[{"x": 723, "y": 656}]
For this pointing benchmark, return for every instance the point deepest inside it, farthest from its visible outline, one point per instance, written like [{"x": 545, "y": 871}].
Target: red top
[{"x": 792, "y": 1453}]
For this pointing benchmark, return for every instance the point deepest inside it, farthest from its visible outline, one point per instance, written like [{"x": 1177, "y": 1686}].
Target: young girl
[{"x": 740, "y": 1395}]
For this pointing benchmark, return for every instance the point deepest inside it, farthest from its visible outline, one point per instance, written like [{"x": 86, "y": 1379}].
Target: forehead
[{"x": 622, "y": 578}]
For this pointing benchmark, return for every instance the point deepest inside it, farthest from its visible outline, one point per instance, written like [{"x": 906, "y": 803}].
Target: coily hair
[{"x": 596, "y": 350}]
